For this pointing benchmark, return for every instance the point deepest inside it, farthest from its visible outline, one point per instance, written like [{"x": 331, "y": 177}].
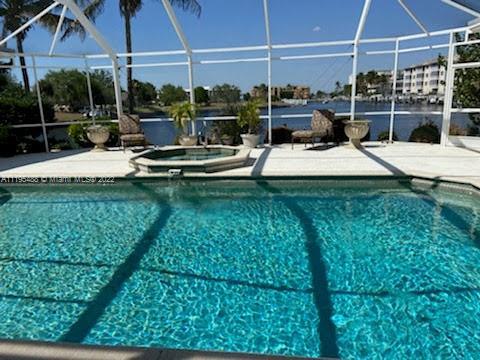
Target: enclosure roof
[{"x": 471, "y": 4}]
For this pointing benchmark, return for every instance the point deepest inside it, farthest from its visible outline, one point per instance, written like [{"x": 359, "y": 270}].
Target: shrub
[
  {"x": 457, "y": 130},
  {"x": 16, "y": 107},
  {"x": 78, "y": 135},
  {"x": 473, "y": 131},
  {"x": 426, "y": 132},
  {"x": 385, "y": 136},
  {"x": 228, "y": 128},
  {"x": 7, "y": 141}
]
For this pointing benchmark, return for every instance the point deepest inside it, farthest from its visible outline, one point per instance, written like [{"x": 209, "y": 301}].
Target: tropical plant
[
  {"x": 249, "y": 117},
  {"x": 16, "y": 13},
  {"x": 182, "y": 114}
]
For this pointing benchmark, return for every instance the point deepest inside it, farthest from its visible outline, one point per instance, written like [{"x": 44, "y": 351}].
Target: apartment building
[
  {"x": 289, "y": 91},
  {"x": 424, "y": 79}
]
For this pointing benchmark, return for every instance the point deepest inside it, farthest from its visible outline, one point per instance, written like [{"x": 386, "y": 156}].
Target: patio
[{"x": 376, "y": 159}]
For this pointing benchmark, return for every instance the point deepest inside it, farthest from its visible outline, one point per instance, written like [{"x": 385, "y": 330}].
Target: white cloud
[{"x": 316, "y": 29}]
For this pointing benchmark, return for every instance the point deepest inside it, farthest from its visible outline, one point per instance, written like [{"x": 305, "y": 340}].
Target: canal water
[{"x": 163, "y": 133}]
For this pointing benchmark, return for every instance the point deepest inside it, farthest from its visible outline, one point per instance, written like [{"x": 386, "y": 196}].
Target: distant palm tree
[
  {"x": 128, "y": 10},
  {"x": 16, "y": 13}
]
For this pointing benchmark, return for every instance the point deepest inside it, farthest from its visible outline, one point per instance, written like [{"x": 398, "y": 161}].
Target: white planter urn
[
  {"x": 250, "y": 140},
  {"x": 356, "y": 130},
  {"x": 98, "y": 135}
]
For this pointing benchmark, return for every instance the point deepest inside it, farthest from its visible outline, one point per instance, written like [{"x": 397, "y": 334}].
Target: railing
[{"x": 268, "y": 59}]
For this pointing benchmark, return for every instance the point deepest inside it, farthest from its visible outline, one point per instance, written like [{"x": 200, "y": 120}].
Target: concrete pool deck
[
  {"x": 376, "y": 159},
  {"x": 38, "y": 350}
]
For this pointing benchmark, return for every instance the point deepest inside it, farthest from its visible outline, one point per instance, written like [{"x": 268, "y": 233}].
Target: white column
[
  {"x": 269, "y": 67},
  {"x": 354, "y": 82},
  {"x": 89, "y": 87},
  {"x": 356, "y": 42},
  {"x": 192, "y": 91},
  {"x": 40, "y": 104},
  {"x": 449, "y": 84},
  {"x": 117, "y": 87},
  {"x": 394, "y": 93},
  {"x": 270, "y": 140}
]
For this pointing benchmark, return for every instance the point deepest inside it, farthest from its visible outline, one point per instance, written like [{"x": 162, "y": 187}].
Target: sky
[{"x": 226, "y": 23}]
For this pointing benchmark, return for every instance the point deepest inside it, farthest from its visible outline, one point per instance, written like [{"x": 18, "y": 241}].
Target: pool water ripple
[{"x": 310, "y": 268}]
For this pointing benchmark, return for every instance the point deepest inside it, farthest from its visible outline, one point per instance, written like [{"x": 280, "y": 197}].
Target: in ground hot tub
[{"x": 191, "y": 159}]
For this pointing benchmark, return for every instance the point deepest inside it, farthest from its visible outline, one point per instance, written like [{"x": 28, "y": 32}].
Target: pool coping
[
  {"x": 42, "y": 350},
  {"x": 424, "y": 180}
]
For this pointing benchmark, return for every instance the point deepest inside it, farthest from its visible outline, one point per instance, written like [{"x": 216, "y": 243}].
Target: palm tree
[
  {"x": 16, "y": 13},
  {"x": 128, "y": 10}
]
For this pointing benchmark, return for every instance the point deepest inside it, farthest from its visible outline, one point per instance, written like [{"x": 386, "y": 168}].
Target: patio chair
[
  {"x": 131, "y": 134},
  {"x": 321, "y": 126}
]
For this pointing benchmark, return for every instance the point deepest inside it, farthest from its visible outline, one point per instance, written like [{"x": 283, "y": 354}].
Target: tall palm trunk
[
  {"x": 26, "y": 81},
  {"x": 128, "y": 35}
]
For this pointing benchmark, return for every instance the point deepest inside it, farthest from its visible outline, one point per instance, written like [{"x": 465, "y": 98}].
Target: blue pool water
[{"x": 355, "y": 270}]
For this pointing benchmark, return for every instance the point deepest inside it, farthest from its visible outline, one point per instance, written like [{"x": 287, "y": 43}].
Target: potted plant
[
  {"x": 7, "y": 142},
  {"x": 183, "y": 114},
  {"x": 249, "y": 118}
]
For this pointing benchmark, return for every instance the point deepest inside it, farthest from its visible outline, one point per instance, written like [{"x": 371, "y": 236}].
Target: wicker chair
[
  {"x": 131, "y": 134},
  {"x": 321, "y": 126}
]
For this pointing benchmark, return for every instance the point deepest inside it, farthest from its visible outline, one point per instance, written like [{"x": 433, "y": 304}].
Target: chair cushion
[
  {"x": 132, "y": 137},
  {"x": 303, "y": 134}
]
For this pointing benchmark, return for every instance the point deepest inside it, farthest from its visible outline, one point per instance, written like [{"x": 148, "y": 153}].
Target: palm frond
[{"x": 192, "y": 6}]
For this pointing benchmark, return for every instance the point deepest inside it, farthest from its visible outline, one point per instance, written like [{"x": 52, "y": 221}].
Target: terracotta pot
[
  {"x": 356, "y": 130},
  {"x": 98, "y": 135}
]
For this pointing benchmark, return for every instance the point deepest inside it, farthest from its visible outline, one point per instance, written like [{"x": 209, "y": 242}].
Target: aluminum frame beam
[
  {"x": 394, "y": 93},
  {"x": 30, "y": 22},
  {"x": 462, "y": 8},
  {"x": 183, "y": 39},
  {"x": 40, "y": 105},
  {"x": 57, "y": 31},
  {"x": 449, "y": 84},
  {"x": 102, "y": 42},
  {"x": 269, "y": 67},
  {"x": 361, "y": 26},
  {"x": 413, "y": 17}
]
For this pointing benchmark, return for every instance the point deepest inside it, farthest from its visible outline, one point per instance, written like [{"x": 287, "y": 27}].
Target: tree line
[{"x": 15, "y": 14}]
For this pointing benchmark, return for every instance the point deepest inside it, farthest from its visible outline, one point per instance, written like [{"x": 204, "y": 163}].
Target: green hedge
[{"x": 18, "y": 109}]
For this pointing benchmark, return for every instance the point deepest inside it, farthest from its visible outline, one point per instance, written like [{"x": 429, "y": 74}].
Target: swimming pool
[{"x": 350, "y": 269}]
